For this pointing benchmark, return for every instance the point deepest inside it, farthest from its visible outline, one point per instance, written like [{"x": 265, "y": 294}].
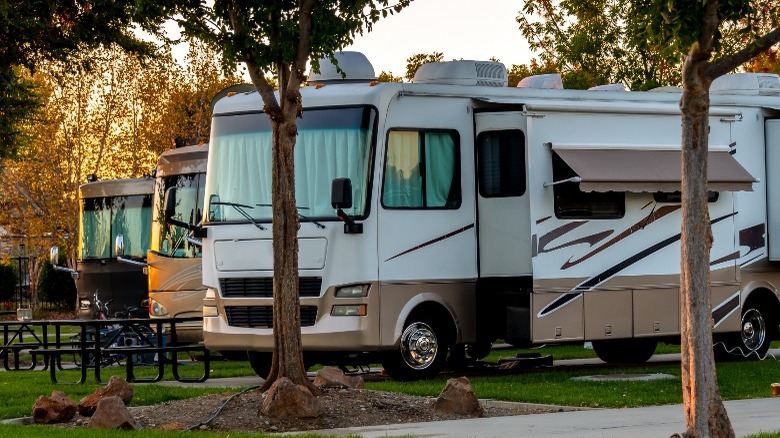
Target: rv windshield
[
  {"x": 171, "y": 240},
  {"x": 104, "y": 218},
  {"x": 331, "y": 143}
]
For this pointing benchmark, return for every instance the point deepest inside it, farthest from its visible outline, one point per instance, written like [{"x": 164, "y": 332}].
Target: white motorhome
[{"x": 471, "y": 211}]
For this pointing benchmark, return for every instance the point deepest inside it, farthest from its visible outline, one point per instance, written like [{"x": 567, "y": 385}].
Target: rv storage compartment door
[{"x": 773, "y": 187}]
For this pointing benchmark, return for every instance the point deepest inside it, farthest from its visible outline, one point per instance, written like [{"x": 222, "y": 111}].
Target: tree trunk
[
  {"x": 288, "y": 354},
  {"x": 705, "y": 414}
]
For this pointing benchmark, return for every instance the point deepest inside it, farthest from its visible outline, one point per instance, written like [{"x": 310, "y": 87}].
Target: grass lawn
[{"x": 737, "y": 380}]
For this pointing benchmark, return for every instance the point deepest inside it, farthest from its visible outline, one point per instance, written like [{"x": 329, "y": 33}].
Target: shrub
[
  {"x": 8, "y": 280},
  {"x": 57, "y": 287}
]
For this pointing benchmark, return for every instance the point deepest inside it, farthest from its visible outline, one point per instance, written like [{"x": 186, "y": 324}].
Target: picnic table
[{"x": 95, "y": 344}]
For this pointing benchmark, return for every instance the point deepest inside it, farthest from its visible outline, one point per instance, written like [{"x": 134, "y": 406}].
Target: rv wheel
[
  {"x": 260, "y": 361},
  {"x": 625, "y": 350},
  {"x": 421, "y": 354},
  {"x": 754, "y": 336}
]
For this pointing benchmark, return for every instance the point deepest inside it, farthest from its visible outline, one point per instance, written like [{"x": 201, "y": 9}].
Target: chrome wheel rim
[
  {"x": 419, "y": 346},
  {"x": 753, "y": 330}
]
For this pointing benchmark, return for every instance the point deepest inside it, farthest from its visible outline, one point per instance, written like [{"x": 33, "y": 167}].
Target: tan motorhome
[
  {"x": 174, "y": 258},
  {"x": 444, "y": 214}
]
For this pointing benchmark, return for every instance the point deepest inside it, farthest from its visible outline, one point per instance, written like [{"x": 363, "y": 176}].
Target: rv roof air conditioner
[
  {"x": 755, "y": 84},
  {"x": 483, "y": 73},
  {"x": 666, "y": 89},
  {"x": 549, "y": 81},
  {"x": 355, "y": 66}
]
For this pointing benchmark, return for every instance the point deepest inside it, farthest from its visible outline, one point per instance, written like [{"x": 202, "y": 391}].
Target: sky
[{"x": 460, "y": 29}]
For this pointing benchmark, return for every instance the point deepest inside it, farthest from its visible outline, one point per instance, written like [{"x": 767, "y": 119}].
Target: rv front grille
[
  {"x": 262, "y": 316},
  {"x": 263, "y": 287}
]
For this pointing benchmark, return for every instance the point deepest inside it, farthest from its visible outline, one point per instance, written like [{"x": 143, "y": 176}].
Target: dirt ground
[{"x": 342, "y": 408}]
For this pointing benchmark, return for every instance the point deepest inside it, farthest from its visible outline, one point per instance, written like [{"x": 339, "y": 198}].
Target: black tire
[
  {"x": 422, "y": 350},
  {"x": 260, "y": 361},
  {"x": 239, "y": 355},
  {"x": 625, "y": 350}
]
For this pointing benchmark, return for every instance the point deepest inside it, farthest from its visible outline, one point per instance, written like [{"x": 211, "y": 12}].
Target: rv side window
[
  {"x": 422, "y": 170},
  {"x": 676, "y": 197},
  {"x": 501, "y": 163},
  {"x": 572, "y": 203}
]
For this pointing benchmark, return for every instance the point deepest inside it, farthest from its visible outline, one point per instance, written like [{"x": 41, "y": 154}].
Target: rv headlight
[
  {"x": 353, "y": 291},
  {"x": 157, "y": 309},
  {"x": 211, "y": 294},
  {"x": 349, "y": 310},
  {"x": 85, "y": 304},
  {"x": 210, "y": 311}
]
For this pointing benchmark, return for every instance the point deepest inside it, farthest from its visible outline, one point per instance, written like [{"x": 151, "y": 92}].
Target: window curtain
[
  {"x": 244, "y": 171},
  {"x": 95, "y": 229},
  {"x": 439, "y": 168},
  {"x": 132, "y": 218},
  {"x": 403, "y": 182}
]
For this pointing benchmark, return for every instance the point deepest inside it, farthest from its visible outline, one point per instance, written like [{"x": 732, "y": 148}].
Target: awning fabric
[{"x": 651, "y": 170}]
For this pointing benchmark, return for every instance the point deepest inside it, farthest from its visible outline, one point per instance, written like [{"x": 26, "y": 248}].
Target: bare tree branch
[{"x": 729, "y": 63}]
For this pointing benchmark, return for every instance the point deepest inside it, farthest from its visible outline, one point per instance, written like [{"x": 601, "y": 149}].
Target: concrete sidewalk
[{"x": 747, "y": 417}]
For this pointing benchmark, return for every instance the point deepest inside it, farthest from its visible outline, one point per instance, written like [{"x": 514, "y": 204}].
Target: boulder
[
  {"x": 330, "y": 377},
  {"x": 287, "y": 400},
  {"x": 117, "y": 386},
  {"x": 111, "y": 413},
  {"x": 458, "y": 397},
  {"x": 59, "y": 408}
]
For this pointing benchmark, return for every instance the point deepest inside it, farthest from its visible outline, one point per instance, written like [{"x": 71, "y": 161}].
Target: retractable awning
[{"x": 648, "y": 170}]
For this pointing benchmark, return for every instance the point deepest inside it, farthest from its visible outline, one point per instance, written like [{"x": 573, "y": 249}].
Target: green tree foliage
[
  {"x": 8, "y": 280},
  {"x": 414, "y": 62},
  {"x": 278, "y": 38},
  {"x": 696, "y": 30},
  {"x": 57, "y": 287},
  {"x": 594, "y": 42},
  {"x": 32, "y": 31}
]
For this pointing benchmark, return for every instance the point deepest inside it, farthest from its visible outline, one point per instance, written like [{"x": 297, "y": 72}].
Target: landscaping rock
[
  {"x": 111, "y": 413},
  {"x": 59, "y": 408},
  {"x": 330, "y": 377},
  {"x": 117, "y": 386},
  {"x": 287, "y": 400},
  {"x": 458, "y": 397}
]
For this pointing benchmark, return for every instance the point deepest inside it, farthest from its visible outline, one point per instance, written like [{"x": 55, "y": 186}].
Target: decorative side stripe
[
  {"x": 725, "y": 309},
  {"x": 611, "y": 272},
  {"x": 431, "y": 242}
]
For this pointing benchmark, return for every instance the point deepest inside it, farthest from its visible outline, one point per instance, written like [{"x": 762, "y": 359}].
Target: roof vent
[
  {"x": 608, "y": 87},
  {"x": 355, "y": 66},
  {"x": 755, "y": 84},
  {"x": 550, "y": 80},
  {"x": 666, "y": 89},
  {"x": 481, "y": 73}
]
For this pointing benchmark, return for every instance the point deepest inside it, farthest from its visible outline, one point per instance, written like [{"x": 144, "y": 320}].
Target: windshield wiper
[
  {"x": 240, "y": 209},
  {"x": 297, "y": 209}
]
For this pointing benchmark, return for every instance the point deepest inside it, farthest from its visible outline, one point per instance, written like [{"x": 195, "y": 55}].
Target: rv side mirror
[
  {"x": 54, "y": 255},
  {"x": 170, "y": 204},
  {"x": 341, "y": 193},
  {"x": 341, "y": 198},
  {"x": 119, "y": 246}
]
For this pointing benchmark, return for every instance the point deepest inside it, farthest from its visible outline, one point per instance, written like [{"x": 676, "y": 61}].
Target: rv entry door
[{"x": 502, "y": 200}]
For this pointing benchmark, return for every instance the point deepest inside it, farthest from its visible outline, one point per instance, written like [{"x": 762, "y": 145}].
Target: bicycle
[{"x": 118, "y": 335}]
